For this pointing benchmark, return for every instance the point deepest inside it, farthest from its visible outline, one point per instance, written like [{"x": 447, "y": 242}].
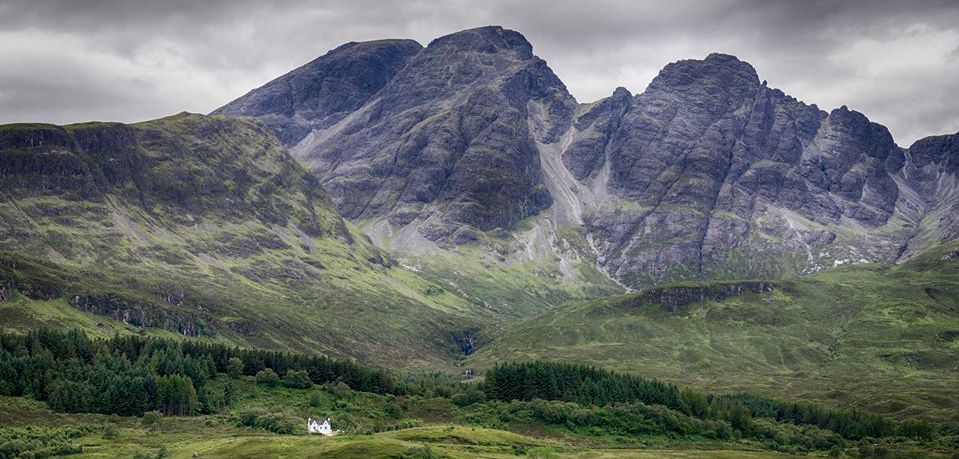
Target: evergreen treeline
[
  {"x": 131, "y": 375},
  {"x": 848, "y": 423},
  {"x": 575, "y": 383},
  {"x": 591, "y": 386},
  {"x": 320, "y": 369}
]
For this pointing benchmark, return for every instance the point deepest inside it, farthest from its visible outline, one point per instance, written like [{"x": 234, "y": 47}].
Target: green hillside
[
  {"x": 880, "y": 338},
  {"x": 203, "y": 227},
  {"x": 218, "y": 436}
]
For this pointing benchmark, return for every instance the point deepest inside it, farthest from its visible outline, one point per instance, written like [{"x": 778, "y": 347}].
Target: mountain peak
[
  {"x": 716, "y": 69},
  {"x": 487, "y": 39},
  {"x": 721, "y": 57},
  {"x": 373, "y": 46},
  {"x": 621, "y": 92}
]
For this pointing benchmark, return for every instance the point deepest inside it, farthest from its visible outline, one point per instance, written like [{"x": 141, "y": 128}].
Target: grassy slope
[
  {"x": 210, "y": 222},
  {"x": 875, "y": 337},
  {"x": 533, "y": 269},
  {"x": 493, "y": 274},
  {"x": 21, "y": 313}
]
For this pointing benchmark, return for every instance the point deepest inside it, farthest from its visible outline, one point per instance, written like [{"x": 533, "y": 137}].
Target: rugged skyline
[
  {"x": 708, "y": 173},
  {"x": 130, "y": 61}
]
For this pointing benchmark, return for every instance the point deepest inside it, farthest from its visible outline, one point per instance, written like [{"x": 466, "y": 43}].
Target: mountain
[
  {"x": 202, "y": 226},
  {"x": 876, "y": 337},
  {"x": 715, "y": 175},
  {"x": 446, "y": 143},
  {"x": 474, "y": 148}
]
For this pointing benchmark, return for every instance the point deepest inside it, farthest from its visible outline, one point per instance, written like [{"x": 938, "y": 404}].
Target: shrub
[
  {"x": 247, "y": 418},
  {"x": 340, "y": 389},
  {"x": 316, "y": 400},
  {"x": 276, "y": 423},
  {"x": 424, "y": 452},
  {"x": 468, "y": 398},
  {"x": 36, "y": 442},
  {"x": 160, "y": 454},
  {"x": 270, "y": 422},
  {"x": 111, "y": 432},
  {"x": 297, "y": 379},
  {"x": 267, "y": 377},
  {"x": 150, "y": 418},
  {"x": 393, "y": 410}
]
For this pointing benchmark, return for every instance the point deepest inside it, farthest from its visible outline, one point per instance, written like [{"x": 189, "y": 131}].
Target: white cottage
[{"x": 316, "y": 426}]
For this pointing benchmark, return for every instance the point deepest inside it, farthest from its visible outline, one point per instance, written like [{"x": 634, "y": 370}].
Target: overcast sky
[{"x": 128, "y": 60}]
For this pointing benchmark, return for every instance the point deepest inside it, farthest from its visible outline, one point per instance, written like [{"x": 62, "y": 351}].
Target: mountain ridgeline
[
  {"x": 206, "y": 227},
  {"x": 708, "y": 173}
]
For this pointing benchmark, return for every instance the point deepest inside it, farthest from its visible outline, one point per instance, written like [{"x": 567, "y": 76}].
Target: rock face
[
  {"x": 708, "y": 173},
  {"x": 931, "y": 170},
  {"x": 708, "y": 153},
  {"x": 318, "y": 94},
  {"x": 586, "y": 155}
]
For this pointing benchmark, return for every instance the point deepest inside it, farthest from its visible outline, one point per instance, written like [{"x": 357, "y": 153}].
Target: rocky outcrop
[
  {"x": 33, "y": 282},
  {"x": 931, "y": 170},
  {"x": 146, "y": 315},
  {"x": 466, "y": 341},
  {"x": 587, "y": 154},
  {"x": 6, "y": 292},
  {"x": 676, "y": 299}
]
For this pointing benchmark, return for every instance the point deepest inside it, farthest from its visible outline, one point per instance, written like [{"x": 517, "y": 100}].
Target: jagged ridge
[{"x": 707, "y": 173}]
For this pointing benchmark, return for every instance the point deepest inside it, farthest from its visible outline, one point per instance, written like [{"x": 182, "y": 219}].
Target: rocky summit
[{"x": 708, "y": 173}]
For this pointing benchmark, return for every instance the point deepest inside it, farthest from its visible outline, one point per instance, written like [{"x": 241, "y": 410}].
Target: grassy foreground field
[{"x": 216, "y": 436}]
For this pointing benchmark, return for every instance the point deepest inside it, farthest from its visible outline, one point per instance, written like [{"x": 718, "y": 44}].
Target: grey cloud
[{"x": 132, "y": 60}]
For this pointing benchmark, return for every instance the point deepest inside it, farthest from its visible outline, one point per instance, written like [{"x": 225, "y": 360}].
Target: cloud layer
[{"x": 125, "y": 60}]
